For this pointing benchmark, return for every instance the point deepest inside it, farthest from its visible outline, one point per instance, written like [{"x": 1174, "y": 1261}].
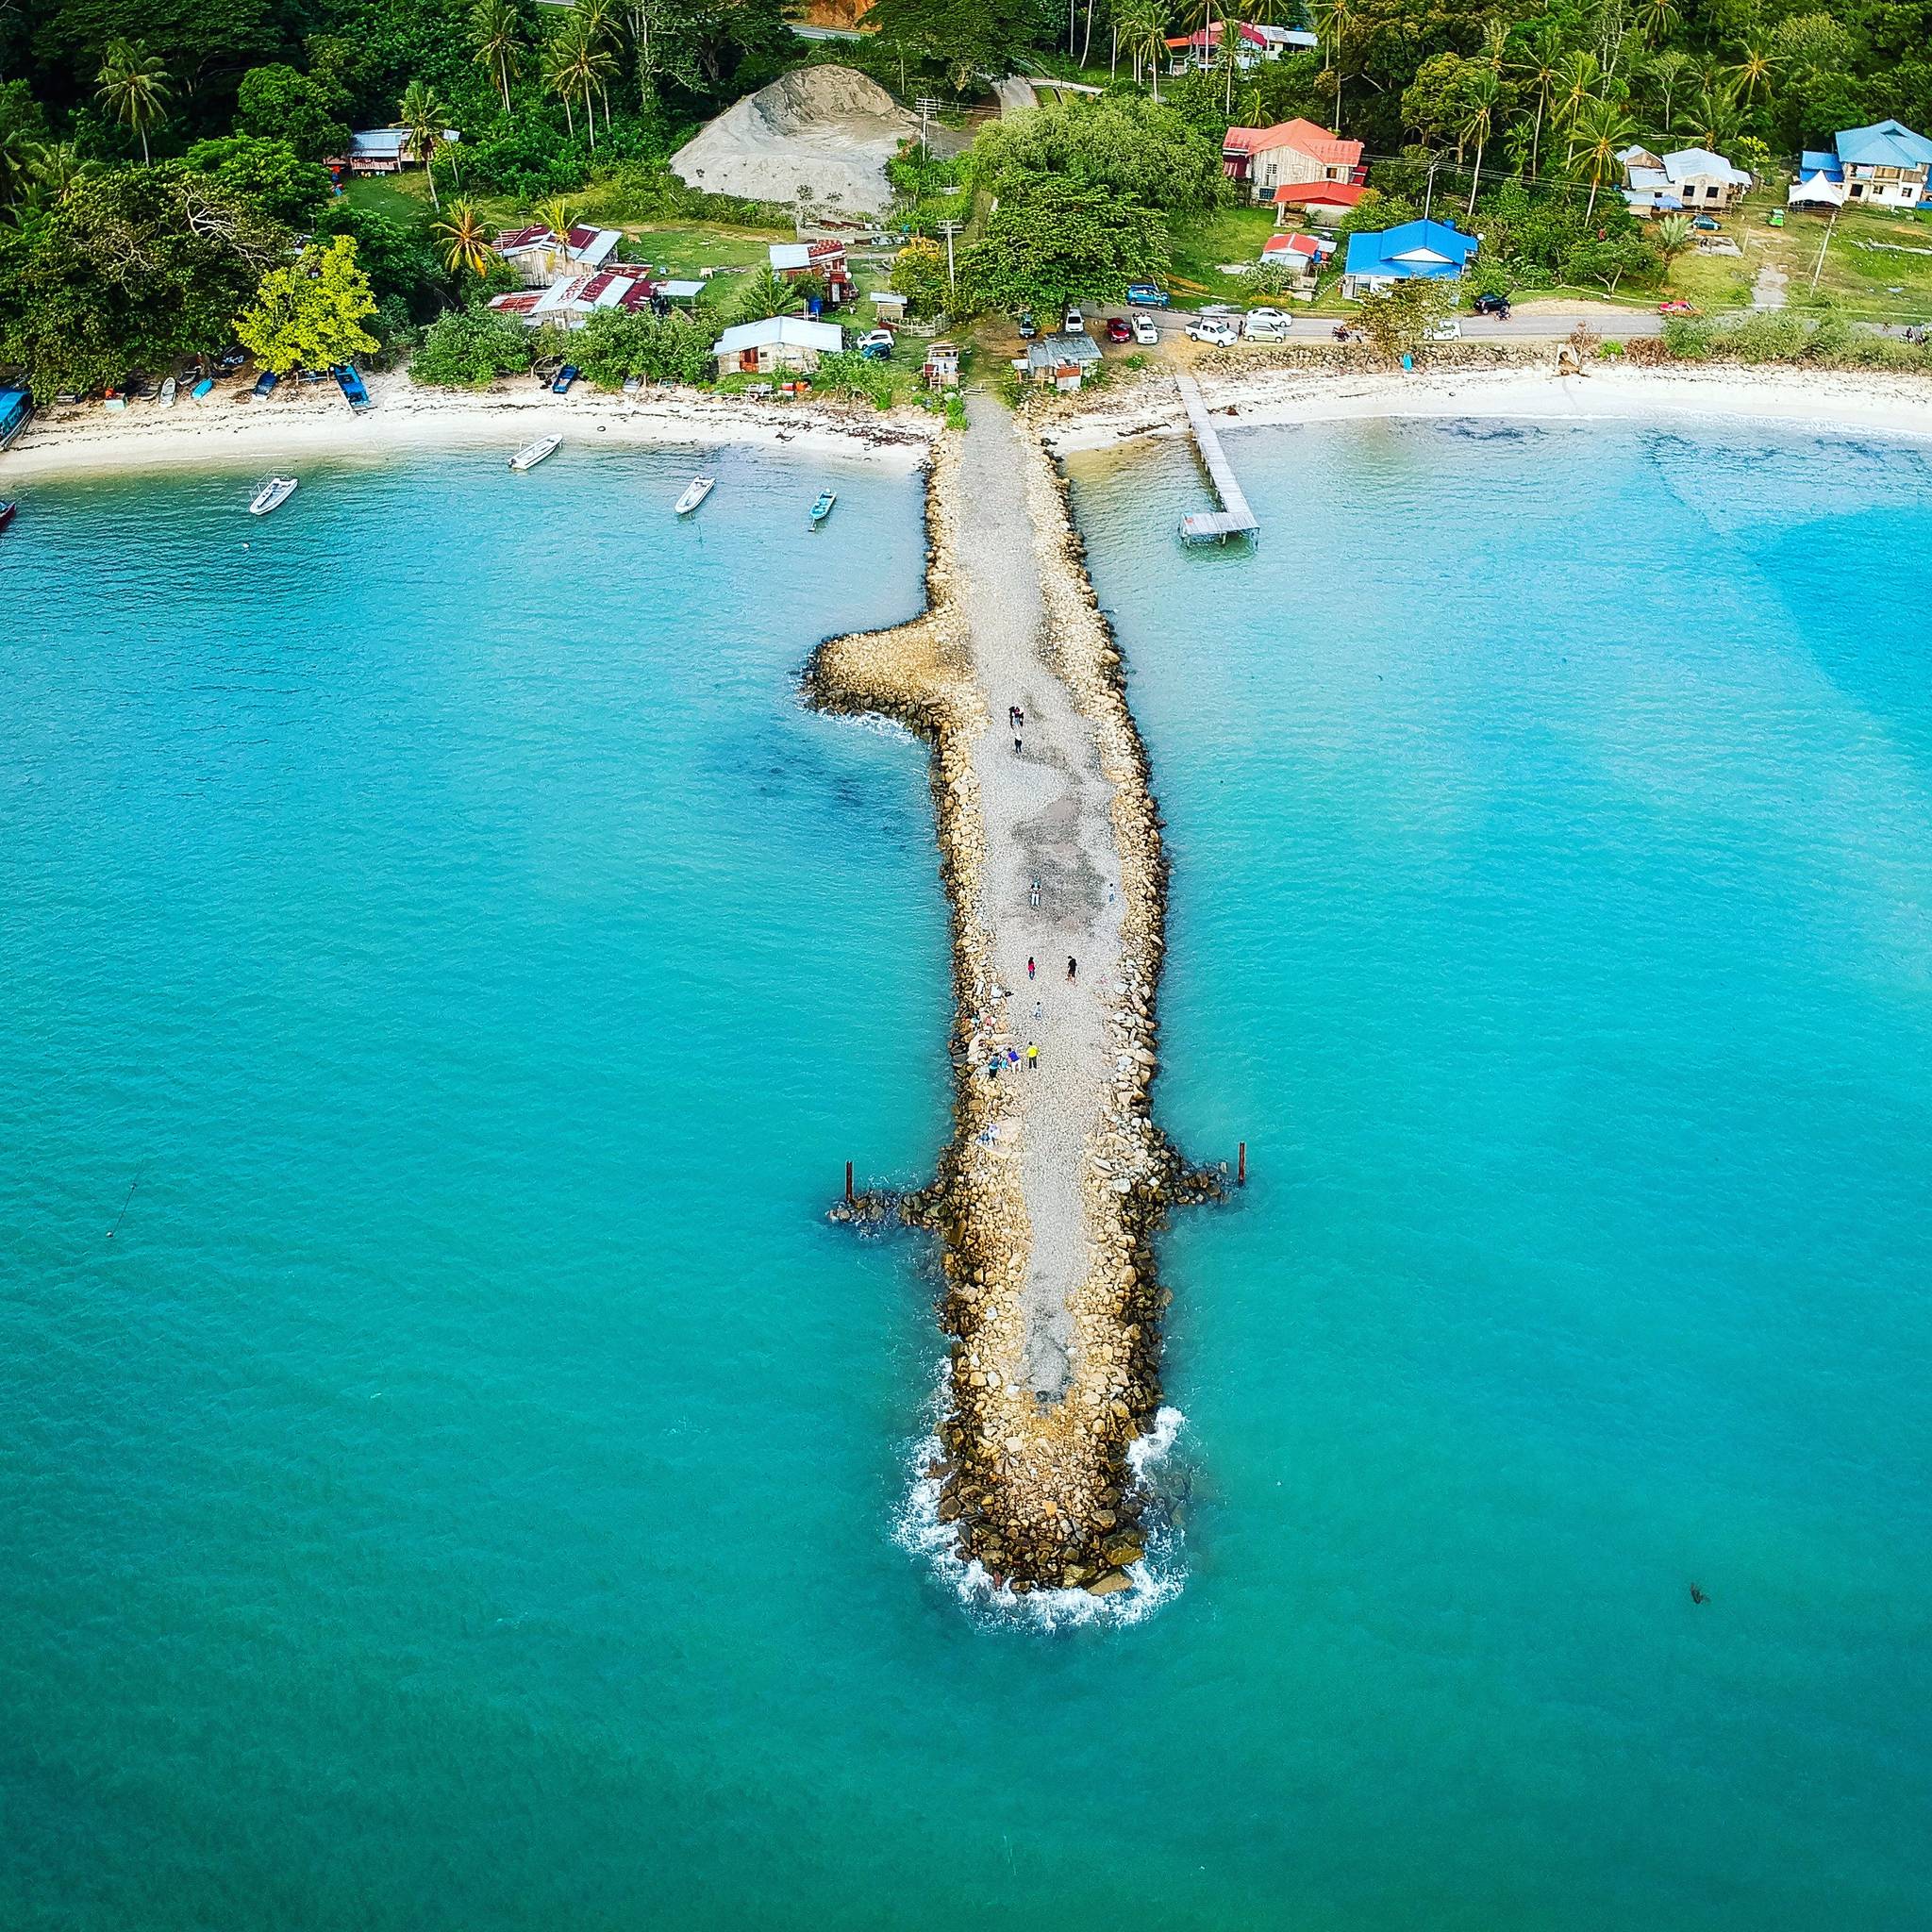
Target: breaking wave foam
[{"x": 1157, "y": 1579}]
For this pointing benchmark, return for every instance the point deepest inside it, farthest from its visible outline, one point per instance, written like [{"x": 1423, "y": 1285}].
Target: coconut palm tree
[
  {"x": 1542, "y": 54},
  {"x": 765, "y": 294},
  {"x": 425, "y": 117},
  {"x": 496, "y": 34},
  {"x": 1713, "y": 119},
  {"x": 559, "y": 75},
  {"x": 1751, "y": 78},
  {"x": 1578, "y": 77},
  {"x": 1143, "y": 30},
  {"x": 134, "y": 87},
  {"x": 1228, "y": 54},
  {"x": 598, "y": 24},
  {"x": 465, "y": 238},
  {"x": 559, "y": 216},
  {"x": 1655, "y": 20},
  {"x": 1602, "y": 129},
  {"x": 55, "y": 166},
  {"x": 1482, "y": 96},
  {"x": 1335, "y": 21}
]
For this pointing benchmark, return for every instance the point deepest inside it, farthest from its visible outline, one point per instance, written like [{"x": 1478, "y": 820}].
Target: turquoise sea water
[{"x": 466, "y": 1491}]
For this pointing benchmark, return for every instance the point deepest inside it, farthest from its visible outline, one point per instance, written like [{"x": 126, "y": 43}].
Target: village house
[
  {"x": 1885, "y": 165},
  {"x": 1691, "y": 180},
  {"x": 539, "y": 257},
  {"x": 825, "y": 259},
  {"x": 780, "y": 343},
  {"x": 572, "y": 299},
  {"x": 1415, "y": 251},
  {"x": 1061, "y": 362},
  {"x": 1201, "y": 50},
  {"x": 1302, "y": 256},
  {"x": 381, "y": 151},
  {"x": 1291, "y": 154}
]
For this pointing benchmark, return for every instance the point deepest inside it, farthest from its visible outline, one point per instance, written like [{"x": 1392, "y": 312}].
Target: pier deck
[{"x": 1234, "y": 518}]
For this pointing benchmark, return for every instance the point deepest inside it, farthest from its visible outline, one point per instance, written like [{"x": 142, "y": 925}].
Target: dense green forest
[{"x": 161, "y": 159}]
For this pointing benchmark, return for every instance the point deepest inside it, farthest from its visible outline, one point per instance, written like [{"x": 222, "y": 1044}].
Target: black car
[{"x": 1493, "y": 304}]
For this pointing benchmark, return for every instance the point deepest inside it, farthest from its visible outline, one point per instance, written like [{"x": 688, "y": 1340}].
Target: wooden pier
[{"x": 1234, "y": 518}]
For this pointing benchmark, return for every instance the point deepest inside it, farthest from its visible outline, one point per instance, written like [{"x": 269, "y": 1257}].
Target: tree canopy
[
  {"x": 309, "y": 314},
  {"x": 1063, "y": 243}
]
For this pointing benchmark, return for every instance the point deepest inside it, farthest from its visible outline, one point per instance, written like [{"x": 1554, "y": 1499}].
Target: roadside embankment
[{"x": 1056, "y": 1177}]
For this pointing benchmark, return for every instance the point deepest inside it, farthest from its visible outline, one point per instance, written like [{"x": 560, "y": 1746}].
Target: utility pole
[
  {"x": 949, "y": 229},
  {"x": 1819, "y": 268},
  {"x": 1429, "y": 192},
  {"x": 928, "y": 106}
]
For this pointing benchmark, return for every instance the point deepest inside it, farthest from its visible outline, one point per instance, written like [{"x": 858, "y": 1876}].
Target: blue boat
[
  {"x": 264, "y": 382},
  {"x": 351, "y": 386},
  {"x": 16, "y": 406},
  {"x": 202, "y": 388},
  {"x": 823, "y": 507}
]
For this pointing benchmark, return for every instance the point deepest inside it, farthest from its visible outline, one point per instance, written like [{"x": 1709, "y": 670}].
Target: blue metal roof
[
  {"x": 1885, "y": 144},
  {"x": 1379, "y": 253},
  {"x": 1816, "y": 162}
]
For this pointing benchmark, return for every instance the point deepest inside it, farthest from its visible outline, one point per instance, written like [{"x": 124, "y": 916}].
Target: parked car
[
  {"x": 1075, "y": 324},
  {"x": 264, "y": 383},
  {"x": 1117, "y": 330},
  {"x": 877, "y": 344},
  {"x": 1448, "y": 330},
  {"x": 1676, "y": 306},
  {"x": 1497, "y": 306},
  {"x": 1265, "y": 326},
  {"x": 1026, "y": 325},
  {"x": 565, "y": 376},
  {"x": 1707, "y": 223},
  {"x": 1145, "y": 295},
  {"x": 1218, "y": 331},
  {"x": 1145, "y": 333}
]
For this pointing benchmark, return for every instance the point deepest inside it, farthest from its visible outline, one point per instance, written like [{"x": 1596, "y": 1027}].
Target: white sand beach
[
  {"x": 312, "y": 420},
  {"x": 1825, "y": 400}
]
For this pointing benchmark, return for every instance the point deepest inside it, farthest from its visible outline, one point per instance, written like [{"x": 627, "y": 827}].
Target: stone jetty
[{"x": 1056, "y": 1178}]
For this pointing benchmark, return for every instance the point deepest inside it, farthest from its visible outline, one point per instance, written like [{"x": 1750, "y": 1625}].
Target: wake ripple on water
[{"x": 1158, "y": 1577}]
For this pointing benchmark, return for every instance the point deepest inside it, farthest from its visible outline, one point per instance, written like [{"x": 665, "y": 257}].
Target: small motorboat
[
  {"x": 201, "y": 388},
  {"x": 533, "y": 453},
  {"x": 695, "y": 492},
  {"x": 7, "y": 510},
  {"x": 166, "y": 398},
  {"x": 823, "y": 507},
  {"x": 351, "y": 385},
  {"x": 272, "y": 495}
]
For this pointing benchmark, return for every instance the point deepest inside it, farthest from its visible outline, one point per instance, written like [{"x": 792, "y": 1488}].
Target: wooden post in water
[
  {"x": 848, "y": 1181},
  {"x": 1241, "y": 1171}
]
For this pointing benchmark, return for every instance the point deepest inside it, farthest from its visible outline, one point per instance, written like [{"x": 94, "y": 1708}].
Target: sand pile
[{"x": 820, "y": 136}]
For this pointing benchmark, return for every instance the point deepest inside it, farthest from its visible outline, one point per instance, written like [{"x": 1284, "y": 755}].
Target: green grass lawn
[
  {"x": 1203, "y": 242},
  {"x": 404, "y": 198}
]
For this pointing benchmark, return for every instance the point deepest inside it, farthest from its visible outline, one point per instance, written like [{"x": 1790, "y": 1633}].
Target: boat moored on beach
[
  {"x": 823, "y": 507},
  {"x": 201, "y": 388},
  {"x": 533, "y": 453},
  {"x": 166, "y": 398},
  {"x": 272, "y": 495},
  {"x": 351, "y": 385},
  {"x": 696, "y": 491}
]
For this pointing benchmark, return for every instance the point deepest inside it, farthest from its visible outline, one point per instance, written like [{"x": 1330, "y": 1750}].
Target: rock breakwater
[{"x": 1054, "y": 1359}]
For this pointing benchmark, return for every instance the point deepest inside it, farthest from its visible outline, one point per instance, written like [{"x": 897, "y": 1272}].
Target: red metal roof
[
  {"x": 521, "y": 238},
  {"x": 516, "y": 305},
  {"x": 1326, "y": 193},
  {"x": 1304, "y": 137}
]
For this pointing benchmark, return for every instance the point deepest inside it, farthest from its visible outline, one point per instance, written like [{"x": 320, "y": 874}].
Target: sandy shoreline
[
  {"x": 1823, "y": 400},
  {"x": 312, "y": 420}
]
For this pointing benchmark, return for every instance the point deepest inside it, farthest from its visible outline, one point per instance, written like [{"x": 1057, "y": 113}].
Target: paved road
[{"x": 1476, "y": 328}]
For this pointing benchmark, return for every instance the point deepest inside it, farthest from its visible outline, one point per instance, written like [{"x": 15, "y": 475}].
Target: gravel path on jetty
[
  {"x": 1056, "y": 1180},
  {"x": 1050, "y": 891}
]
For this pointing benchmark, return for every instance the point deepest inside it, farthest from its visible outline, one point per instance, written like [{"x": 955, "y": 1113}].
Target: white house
[
  {"x": 538, "y": 254},
  {"x": 778, "y": 342},
  {"x": 571, "y": 299},
  {"x": 1885, "y": 165},
  {"x": 1691, "y": 180},
  {"x": 384, "y": 150}
]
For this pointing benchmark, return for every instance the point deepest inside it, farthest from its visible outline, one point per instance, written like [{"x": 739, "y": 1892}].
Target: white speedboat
[
  {"x": 168, "y": 388},
  {"x": 700, "y": 488},
  {"x": 272, "y": 495},
  {"x": 533, "y": 453}
]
